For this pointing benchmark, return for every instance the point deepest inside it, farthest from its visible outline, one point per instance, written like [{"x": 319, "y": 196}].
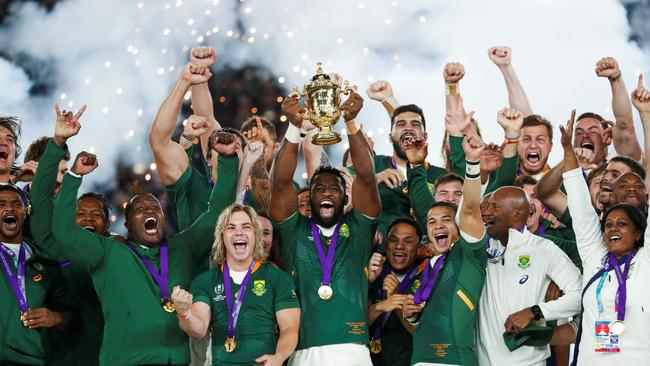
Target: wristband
[
  {"x": 351, "y": 127},
  {"x": 512, "y": 141},
  {"x": 451, "y": 89},
  {"x": 184, "y": 317},
  {"x": 390, "y": 103},
  {"x": 188, "y": 138},
  {"x": 293, "y": 134},
  {"x": 472, "y": 169}
]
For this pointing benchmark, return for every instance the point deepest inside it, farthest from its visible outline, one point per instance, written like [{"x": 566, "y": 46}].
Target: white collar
[{"x": 327, "y": 231}]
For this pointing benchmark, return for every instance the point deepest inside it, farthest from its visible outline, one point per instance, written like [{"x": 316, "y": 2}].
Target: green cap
[{"x": 533, "y": 335}]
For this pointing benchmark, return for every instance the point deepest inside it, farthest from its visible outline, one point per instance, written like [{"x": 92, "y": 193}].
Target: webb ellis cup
[{"x": 323, "y": 98}]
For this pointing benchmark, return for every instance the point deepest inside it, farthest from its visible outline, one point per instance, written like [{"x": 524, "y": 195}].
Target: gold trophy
[{"x": 323, "y": 98}]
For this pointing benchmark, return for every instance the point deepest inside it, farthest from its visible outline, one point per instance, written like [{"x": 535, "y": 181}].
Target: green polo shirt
[
  {"x": 137, "y": 330},
  {"x": 269, "y": 290},
  {"x": 342, "y": 318},
  {"x": 44, "y": 287},
  {"x": 445, "y": 331}
]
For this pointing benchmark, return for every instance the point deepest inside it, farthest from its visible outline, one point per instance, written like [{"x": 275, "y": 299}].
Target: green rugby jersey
[
  {"x": 137, "y": 331},
  {"x": 445, "y": 330},
  {"x": 189, "y": 196},
  {"x": 343, "y": 318},
  {"x": 269, "y": 290}
]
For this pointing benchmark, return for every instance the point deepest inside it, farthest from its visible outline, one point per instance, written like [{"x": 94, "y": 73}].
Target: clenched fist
[
  {"x": 84, "y": 163},
  {"x": 453, "y": 72},
  {"x": 500, "y": 55},
  {"x": 380, "y": 90},
  {"x": 194, "y": 73},
  {"x": 206, "y": 56},
  {"x": 182, "y": 301},
  {"x": 294, "y": 111},
  {"x": 607, "y": 67}
]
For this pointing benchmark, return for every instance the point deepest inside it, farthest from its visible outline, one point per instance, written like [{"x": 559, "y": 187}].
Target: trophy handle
[
  {"x": 346, "y": 89},
  {"x": 296, "y": 93}
]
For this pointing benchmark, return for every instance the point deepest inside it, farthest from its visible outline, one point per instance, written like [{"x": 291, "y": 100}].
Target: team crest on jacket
[
  {"x": 415, "y": 286},
  {"x": 219, "y": 293},
  {"x": 259, "y": 287},
  {"x": 430, "y": 186},
  {"x": 344, "y": 230},
  {"x": 39, "y": 266},
  {"x": 524, "y": 261}
]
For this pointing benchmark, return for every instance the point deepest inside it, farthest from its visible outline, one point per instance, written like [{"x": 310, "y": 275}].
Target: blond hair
[{"x": 218, "y": 253}]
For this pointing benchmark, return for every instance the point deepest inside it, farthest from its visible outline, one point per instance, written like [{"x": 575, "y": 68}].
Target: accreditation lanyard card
[{"x": 606, "y": 341}]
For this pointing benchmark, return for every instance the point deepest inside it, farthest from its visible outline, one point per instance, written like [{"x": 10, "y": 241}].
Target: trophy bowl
[{"x": 323, "y": 98}]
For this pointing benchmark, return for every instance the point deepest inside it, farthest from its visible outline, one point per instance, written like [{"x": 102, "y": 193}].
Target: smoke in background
[{"x": 121, "y": 57}]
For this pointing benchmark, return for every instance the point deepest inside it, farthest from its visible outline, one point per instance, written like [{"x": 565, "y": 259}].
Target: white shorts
[{"x": 345, "y": 354}]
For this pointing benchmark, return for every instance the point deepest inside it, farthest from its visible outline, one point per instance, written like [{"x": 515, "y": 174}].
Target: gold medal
[
  {"x": 230, "y": 344},
  {"x": 325, "y": 292},
  {"x": 375, "y": 346},
  {"x": 617, "y": 327},
  {"x": 168, "y": 306}
]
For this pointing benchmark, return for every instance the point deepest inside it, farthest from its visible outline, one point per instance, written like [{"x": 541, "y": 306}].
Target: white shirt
[
  {"x": 519, "y": 281},
  {"x": 636, "y": 338}
]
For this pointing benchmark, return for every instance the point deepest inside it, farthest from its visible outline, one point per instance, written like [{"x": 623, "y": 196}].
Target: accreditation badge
[{"x": 606, "y": 341}]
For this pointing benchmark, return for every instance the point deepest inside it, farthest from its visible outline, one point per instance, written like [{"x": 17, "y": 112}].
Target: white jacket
[
  {"x": 635, "y": 341},
  {"x": 519, "y": 281}
]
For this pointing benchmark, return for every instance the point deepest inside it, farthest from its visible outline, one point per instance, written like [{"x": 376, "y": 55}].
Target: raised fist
[
  {"x": 253, "y": 152},
  {"x": 224, "y": 143},
  {"x": 379, "y": 90},
  {"x": 607, "y": 67},
  {"x": 453, "y": 72},
  {"x": 500, "y": 55},
  {"x": 67, "y": 124},
  {"x": 472, "y": 146},
  {"x": 206, "y": 56},
  {"x": 84, "y": 163},
  {"x": 352, "y": 106},
  {"x": 194, "y": 73},
  {"x": 375, "y": 266},
  {"x": 511, "y": 120},
  {"x": 293, "y": 110},
  {"x": 182, "y": 301},
  {"x": 196, "y": 126}
]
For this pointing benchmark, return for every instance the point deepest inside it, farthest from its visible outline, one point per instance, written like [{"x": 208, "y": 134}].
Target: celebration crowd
[{"x": 495, "y": 258}]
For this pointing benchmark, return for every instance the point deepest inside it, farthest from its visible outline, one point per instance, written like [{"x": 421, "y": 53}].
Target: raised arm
[
  {"x": 79, "y": 245},
  {"x": 623, "y": 132},
  {"x": 502, "y": 57},
  {"x": 284, "y": 200},
  {"x": 201, "y": 98},
  {"x": 365, "y": 195},
  {"x": 641, "y": 100},
  {"x": 253, "y": 152},
  {"x": 420, "y": 195},
  {"x": 193, "y": 317},
  {"x": 452, "y": 74},
  {"x": 382, "y": 92},
  {"x": 586, "y": 225},
  {"x": 170, "y": 157},
  {"x": 548, "y": 190},
  {"x": 471, "y": 221}
]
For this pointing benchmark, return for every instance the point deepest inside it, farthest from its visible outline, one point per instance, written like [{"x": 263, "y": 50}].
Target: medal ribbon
[
  {"x": 540, "y": 230},
  {"x": 429, "y": 279},
  {"x": 621, "y": 293},
  {"x": 326, "y": 261},
  {"x": 233, "y": 309},
  {"x": 403, "y": 285},
  {"x": 160, "y": 278},
  {"x": 16, "y": 281}
]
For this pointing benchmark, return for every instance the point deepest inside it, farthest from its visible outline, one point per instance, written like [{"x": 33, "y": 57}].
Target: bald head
[{"x": 508, "y": 209}]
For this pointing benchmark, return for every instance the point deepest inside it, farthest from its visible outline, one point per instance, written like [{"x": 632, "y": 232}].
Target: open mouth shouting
[
  {"x": 614, "y": 238},
  {"x": 4, "y": 154},
  {"x": 399, "y": 258},
  {"x": 240, "y": 245},
  {"x": 10, "y": 222},
  {"x": 588, "y": 145},
  {"x": 151, "y": 225},
  {"x": 326, "y": 209},
  {"x": 533, "y": 158},
  {"x": 90, "y": 228},
  {"x": 441, "y": 239}
]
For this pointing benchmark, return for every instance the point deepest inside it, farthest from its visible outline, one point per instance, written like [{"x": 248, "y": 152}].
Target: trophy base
[{"x": 326, "y": 138}]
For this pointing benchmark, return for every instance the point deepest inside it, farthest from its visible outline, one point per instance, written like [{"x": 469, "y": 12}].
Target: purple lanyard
[
  {"x": 540, "y": 230},
  {"x": 394, "y": 165},
  {"x": 621, "y": 293},
  {"x": 245, "y": 198},
  {"x": 16, "y": 281},
  {"x": 429, "y": 279},
  {"x": 403, "y": 285},
  {"x": 233, "y": 311},
  {"x": 160, "y": 278},
  {"x": 326, "y": 261}
]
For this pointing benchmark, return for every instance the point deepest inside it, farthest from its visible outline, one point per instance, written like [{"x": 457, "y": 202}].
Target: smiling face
[
  {"x": 630, "y": 188},
  {"x": 146, "y": 221},
  {"x": 508, "y": 209},
  {"x": 441, "y": 228},
  {"x": 533, "y": 148},
  {"x": 402, "y": 247},
  {"x": 450, "y": 191},
  {"x": 407, "y": 125},
  {"x": 91, "y": 216},
  {"x": 620, "y": 233},
  {"x": 594, "y": 190},
  {"x": 327, "y": 199},
  {"x": 12, "y": 217},
  {"x": 7, "y": 149},
  {"x": 239, "y": 238},
  {"x": 589, "y": 135},
  {"x": 614, "y": 170}
]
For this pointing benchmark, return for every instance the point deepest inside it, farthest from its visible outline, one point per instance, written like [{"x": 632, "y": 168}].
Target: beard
[{"x": 397, "y": 148}]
